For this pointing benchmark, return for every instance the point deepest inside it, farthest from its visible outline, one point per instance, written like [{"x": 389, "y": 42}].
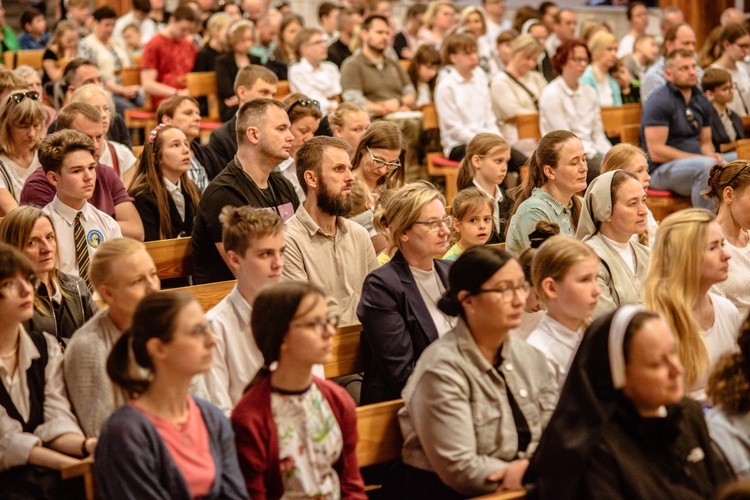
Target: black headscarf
[{"x": 588, "y": 401}]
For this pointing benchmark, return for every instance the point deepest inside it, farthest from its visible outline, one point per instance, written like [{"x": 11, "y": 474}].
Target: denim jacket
[{"x": 457, "y": 421}]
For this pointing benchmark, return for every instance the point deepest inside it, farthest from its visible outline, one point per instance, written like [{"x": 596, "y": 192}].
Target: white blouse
[{"x": 15, "y": 444}]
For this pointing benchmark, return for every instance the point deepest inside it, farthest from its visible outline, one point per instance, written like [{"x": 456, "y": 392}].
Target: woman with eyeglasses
[
  {"x": 734, "y": 46},
  {"x": 296, "y": 434},
  {"x": 62, "y": 303},
  {"x": 478, "y": 400},
  {"x": 40, "y": 435},
  {"x": 165, "y": 443},
  {"x": 568, "y": 104},
  {"x": 398, "y": 308},
  {"x": 304, "y": 117},
  {"x": 21, "y": 121}
]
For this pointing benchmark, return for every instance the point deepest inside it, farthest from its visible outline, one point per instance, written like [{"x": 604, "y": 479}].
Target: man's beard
[
  {"x": 331, "y": 204},
  {"x": 375, "y": 49}
]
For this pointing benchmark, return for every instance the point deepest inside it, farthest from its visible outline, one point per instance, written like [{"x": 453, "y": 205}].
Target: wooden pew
[
  {"x": 282, "y": 90},
  {"x": 347, "y": 356},
  {"x": 379, "y": 434},
  {"x": 31, "y": 58},
  {"x": 85, "y": 469},
  {"x": 631, "y": 134},
  {"x": 209, "y": 294},
  {"x": 527, "y": 125},
  {"x": 203, "y": 84},
  {"x": 614, "y": 117},
  {"x": 173, "y": 257}
]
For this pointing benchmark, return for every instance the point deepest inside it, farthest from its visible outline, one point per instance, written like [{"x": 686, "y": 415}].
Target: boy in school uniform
[
  {"x": 726, "y": 125},
  {"x": 67, "y": 158}
]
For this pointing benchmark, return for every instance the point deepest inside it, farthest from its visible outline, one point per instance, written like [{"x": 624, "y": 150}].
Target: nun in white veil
[
  {"x": 623, "y": 427},
  {"x": 614, "y": 211}
]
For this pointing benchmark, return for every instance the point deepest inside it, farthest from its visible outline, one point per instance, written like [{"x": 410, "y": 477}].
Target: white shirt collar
[
  {"x": 498, "y": 196},
  {"x": 173, "y": 188},
  {"x": 68, "y": 213}
]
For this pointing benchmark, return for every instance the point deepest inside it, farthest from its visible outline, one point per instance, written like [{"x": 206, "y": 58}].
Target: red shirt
[
  {"x": 172, "y": 59},
  {"x": 187, "y": 442}
]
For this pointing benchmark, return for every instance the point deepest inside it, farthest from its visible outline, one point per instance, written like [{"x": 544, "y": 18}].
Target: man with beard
[
  {"x": 676, "y": 132},
  {"x": 371, "y": 79},
  {"x": 323, "y": 247},
  {"x": 264, "y": 141}
]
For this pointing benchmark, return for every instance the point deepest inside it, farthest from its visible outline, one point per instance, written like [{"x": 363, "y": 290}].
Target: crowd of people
[{"x": 544, "y": 332}]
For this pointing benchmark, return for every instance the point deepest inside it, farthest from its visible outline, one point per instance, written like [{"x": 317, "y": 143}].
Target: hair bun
[
  {"x": 714, "y": 175},
  {"x": 449, "y": 305}
]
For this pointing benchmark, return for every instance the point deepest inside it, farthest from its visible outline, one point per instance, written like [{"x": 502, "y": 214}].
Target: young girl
[
  {"x": 423, "y": 71},
  {"x": 39, "y": 432},
  {"x": 533, "y": 311},
  {"x": 485, "y": 167},
  {"x": 472, "y": 221},
  {"x": 564, "y": 272},
  {"x": 239, "y": 40},
  {"x": 164, "y": 443},
  {"x": 164, "y": 195},
  {"x": 296, "y": 435}
]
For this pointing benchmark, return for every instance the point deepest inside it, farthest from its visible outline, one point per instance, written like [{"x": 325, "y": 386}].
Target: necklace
[
  {"x": 10, "y": 354},
  {"x": 182, "y": 429}
]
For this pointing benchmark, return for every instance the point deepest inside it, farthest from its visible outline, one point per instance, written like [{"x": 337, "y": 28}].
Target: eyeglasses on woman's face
[
  {"x": 508, "y": 291},
  {"x": 320, "y": 325},
  {"x": 379, "y": 163},
  {"x": 435, "y": 225}
]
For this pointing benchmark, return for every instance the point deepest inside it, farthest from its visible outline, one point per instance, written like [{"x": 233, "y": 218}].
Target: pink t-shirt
[{"x": 187, "y": 442}]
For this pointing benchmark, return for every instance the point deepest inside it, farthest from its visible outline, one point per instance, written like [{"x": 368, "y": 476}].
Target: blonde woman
[
  {"x": 632, "y": 159},
  {"x": 122, "y": 272},
  {"x": 398, "y": 308},
  {"x": 603, "y": 48},
  {"x": 438, "y": 21},
  {"x": 62, "y": 303},
  {"x": 688, "y": 259},
  {"x": 214, "y": 42},
  {"x": 21, "y": 121},
  {"x": 111, "y": 153}
]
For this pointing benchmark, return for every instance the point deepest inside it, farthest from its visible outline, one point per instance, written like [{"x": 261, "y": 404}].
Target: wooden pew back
[
  {"x": 209, "y": 294},
  {"x": 379, "y": 433},
  {"x": 347, "y": 355},
  {"x": 173, "y": 257},
  {"x": 614, "y": 117}
]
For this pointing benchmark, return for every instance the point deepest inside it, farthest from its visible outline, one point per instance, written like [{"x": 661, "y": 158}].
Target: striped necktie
[{"x": 82, "y": 250}]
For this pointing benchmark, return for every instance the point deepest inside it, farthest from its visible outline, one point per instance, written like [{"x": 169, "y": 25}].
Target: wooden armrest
[
  {"x": 730, "y": 146},
  {"x": 85, "y": 466}
]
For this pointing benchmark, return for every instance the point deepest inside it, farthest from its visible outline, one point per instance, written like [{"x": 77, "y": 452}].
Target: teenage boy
[
  {"x": 726, "y": 125},
  {"x": 67, "y": 158},
  {"x": 34, "y": 36},
  {"x": 253, "y": 240}
]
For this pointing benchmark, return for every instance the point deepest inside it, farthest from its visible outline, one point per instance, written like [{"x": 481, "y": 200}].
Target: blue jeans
[{"x": 686, "y": 177}]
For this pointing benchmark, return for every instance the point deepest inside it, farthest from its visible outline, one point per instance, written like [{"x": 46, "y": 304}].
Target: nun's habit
[
  {"x": 620, "y": 286},
  {"x": 598, "y": 446}
]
